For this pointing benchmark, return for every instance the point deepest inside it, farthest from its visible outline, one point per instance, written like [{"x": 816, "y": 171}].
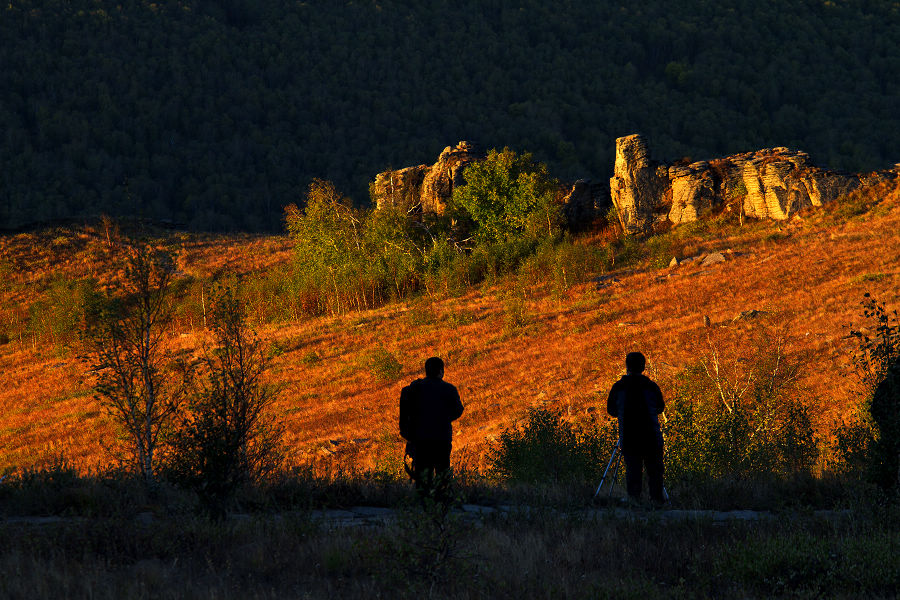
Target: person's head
[
  {"x": 434, "y": 367},
  {"x": 635, "y": 363}
]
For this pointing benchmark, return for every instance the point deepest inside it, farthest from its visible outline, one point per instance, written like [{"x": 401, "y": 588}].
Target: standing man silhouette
[
  {"x": 636, "y": 402},
  {"x": 428, "y": 406}
]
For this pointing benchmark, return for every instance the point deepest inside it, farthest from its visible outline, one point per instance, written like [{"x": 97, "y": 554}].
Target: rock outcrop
[
  {"x": 772, "y": 183},
  {"x": 424, "y": 188},
  {"x": 427, "y": 189},
  {"x": 638, "y": 184},
  {"x": 581, "y": 202}
]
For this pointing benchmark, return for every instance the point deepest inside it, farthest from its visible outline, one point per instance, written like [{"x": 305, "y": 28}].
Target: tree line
[{"x": 218, "y": 114}]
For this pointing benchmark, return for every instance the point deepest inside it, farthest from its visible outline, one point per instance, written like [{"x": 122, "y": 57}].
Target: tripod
[{"x": 617, "y": 457}]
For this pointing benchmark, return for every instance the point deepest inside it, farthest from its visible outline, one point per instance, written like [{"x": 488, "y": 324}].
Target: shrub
[
  {"x": 546, "y": 449},
  {"x": 740, "y": 414},
  {"x": 564, "y": 263},
  {"x": 228, "y": 437},
  {"x": 509, "y": 197},
  {"x": 877, "y": 426},
  {"x": 384, "y": 365}
]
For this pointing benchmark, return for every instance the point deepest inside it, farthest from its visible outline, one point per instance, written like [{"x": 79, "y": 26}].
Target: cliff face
[{"x": 772, "y": 183}]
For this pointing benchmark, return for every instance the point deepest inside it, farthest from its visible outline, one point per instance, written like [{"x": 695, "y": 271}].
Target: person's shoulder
[
  {"x": 649, "y": 382},
  {"x": 416, "y": 383}
]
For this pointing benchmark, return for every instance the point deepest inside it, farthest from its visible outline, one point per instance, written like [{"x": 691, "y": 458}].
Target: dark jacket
[
  {"x": 636, "y": 401},
  {"x": 427, "y": 408}
]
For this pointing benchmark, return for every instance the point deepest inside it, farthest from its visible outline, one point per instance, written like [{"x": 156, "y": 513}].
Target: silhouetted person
[
  {"x": 636, "y": 402},
  {"x": 885, "y": 412},
  {"x": 428, "y": 406}
]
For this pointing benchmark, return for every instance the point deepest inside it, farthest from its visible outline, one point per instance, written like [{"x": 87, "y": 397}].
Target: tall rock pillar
[{"x": 638, "y": 185}]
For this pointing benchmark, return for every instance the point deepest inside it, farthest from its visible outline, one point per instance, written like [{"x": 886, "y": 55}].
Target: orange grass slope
[{"x": 807, "y": 277}]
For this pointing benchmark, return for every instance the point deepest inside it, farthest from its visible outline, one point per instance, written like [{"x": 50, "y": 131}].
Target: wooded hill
[{"x": 217, "y": 114}]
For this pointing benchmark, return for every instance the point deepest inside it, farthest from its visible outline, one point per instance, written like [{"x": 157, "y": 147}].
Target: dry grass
[
  {"x": 526, "y": 556},
  {"x": 562, "y": 351}
]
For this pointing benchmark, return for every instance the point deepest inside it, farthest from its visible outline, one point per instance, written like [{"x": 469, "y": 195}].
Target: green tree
[
  {"x": 328, "y": 245},
  {"x": 396, "y": 248},
  {"x": 508, "y": 197}
]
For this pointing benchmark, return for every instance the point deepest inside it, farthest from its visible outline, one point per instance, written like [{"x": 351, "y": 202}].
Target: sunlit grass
[{"x": 509, "y": 346}]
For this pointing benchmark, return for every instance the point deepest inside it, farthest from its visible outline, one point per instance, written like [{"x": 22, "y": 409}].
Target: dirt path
[{"x": 368, "y": 516}]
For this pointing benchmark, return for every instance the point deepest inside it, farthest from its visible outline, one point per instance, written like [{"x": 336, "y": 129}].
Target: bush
[
  {"x": 741, "y": 414},
  {"x": 384, "y": 365},
  {"x": 546, "y": 449},
  {"x": 228, "y": 437},
  {"x": 877, "y": 426},
  {"x": 509, "y": 197}
]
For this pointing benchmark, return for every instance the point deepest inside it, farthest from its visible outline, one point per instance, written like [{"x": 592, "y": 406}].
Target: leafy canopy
[{"x": 509, "y": 196}]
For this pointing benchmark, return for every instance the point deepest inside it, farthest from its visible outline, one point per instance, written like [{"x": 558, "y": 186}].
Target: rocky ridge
[{"x": 772, "y": 183}]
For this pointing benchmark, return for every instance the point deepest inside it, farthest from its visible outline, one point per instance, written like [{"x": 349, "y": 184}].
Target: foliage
[
  {"x": 879, "y": 349},
  {"x": 63, "y": 309},
  {"x": 509, "y": 197},
  {"x": 740, "y": 414},
  {"x": 396, "y": 249},
  {"x": 125, "y": 341},
  {"x": 228, "y": 436},
  {"x": 353, "y": 259},
  {"x": 384, "y": 365},
  {"x": 546, "y": 450},
  {"x": 877, "y": 434},
  {"x": 215, "y": 113},
  {"x": 329, "y": 250}
]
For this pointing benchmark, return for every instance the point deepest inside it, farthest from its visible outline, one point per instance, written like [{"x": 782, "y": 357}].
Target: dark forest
[{"x": 216, "y": 114}]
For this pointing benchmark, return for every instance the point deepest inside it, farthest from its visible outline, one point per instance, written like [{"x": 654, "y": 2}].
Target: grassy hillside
[{"x": 509, "y": 345}]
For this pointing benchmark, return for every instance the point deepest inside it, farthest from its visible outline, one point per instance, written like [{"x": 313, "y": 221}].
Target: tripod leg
[
  {"x": 608, "y": 465},
  {"x": 615, "y": 475}
]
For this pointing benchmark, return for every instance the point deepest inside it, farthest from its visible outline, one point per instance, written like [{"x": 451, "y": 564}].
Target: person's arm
[
  {"x": 455, "y": 404},
  {"x": 660, "y": 404},
  {"x": 406, "y": 417},
  {"x": 612, "y": 404}
]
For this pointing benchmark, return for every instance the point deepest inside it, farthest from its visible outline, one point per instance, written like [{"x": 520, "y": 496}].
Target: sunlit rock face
[
  {"x": 402, "y": 187},
  {"x": 638, "y": 185},
  {"x": 428, "y": 188},
  {"x": 773, "y": 183},
  {"x": 425, "y": 188}
]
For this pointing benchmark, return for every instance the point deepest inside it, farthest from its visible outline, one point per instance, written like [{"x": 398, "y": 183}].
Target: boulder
[
  {"x": 693, "y": 192},
  {"x": 713, "y": 258},
  {"x": 446, "y": 175},
  {"x": 581, "y": 201},
  {"x": 401, "y": 188}
]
